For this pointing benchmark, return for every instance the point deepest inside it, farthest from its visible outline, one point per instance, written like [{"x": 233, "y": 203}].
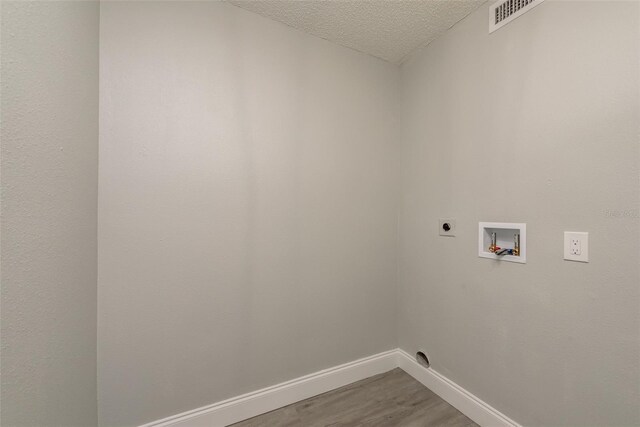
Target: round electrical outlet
[{"x": 447, "y": 227}]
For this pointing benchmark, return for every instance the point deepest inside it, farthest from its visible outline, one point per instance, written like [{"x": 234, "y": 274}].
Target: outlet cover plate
[
  {"x": 576, "y": 246},
  {"x": 452, "y": 227}
]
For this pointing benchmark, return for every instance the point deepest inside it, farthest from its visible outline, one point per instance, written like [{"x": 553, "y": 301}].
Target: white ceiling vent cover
[{"x": 505, "y": 11}]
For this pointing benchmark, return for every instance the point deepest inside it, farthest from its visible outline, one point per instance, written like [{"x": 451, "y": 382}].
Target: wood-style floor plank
[{"x": 390, "y": 399}]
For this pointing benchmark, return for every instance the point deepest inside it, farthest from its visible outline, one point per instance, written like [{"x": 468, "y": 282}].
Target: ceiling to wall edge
[
  {"x": 442, "y": 33},
  {"x": 309, "y": 34},
  {"x": 399, "y": 63}
]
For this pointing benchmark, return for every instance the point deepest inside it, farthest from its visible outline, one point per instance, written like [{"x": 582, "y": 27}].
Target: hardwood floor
[{"x": 390, "y": 399}]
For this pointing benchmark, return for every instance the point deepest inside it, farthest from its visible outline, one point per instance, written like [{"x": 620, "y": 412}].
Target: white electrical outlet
[{"x": 576, "y": 246}]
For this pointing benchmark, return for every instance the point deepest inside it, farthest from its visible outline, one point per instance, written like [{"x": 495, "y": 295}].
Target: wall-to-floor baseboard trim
[
  {"x": 267, "y": 399},
  {"x": 465, "y": 402}
]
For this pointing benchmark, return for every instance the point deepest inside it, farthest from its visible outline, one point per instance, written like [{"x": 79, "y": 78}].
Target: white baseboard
[
  {"x": 259, "y": 402},
  {"x": 267, "y": 399},
  {"x": 465, "y": 402}
]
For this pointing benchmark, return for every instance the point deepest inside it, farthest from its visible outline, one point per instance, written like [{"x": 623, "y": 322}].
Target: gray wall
[
  {"x": 247, "y": 212},
  {"x": 49, "y": 169},
  {"x": 536, "y": 123},
  {"x": 247, "y": 209}
]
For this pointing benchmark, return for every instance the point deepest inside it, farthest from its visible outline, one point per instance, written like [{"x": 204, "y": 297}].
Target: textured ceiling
[{"x": 388, "y": 29}]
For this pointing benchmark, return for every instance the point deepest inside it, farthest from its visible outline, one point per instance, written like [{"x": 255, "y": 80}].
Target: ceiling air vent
[{"x": 505, "y": 11}]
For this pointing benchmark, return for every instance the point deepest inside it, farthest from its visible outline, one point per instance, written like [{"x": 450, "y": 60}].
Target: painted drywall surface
[
  {"x": 49, "y": 176},
  {"x": 535, "y": 123},
  {"x": 247, "y": 208}
]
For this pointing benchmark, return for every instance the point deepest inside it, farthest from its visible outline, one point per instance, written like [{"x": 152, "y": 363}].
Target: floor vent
[
  {"x": 505, "y": 11},
  {"x": 422, "y": 359}
]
